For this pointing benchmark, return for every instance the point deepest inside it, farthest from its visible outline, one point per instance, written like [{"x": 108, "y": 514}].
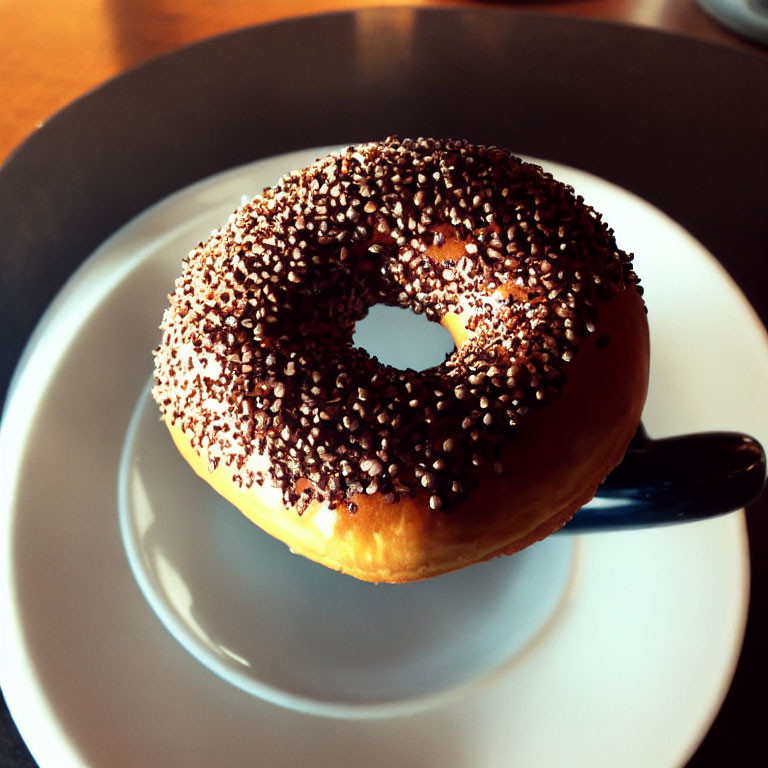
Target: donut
[{"x": 393, "y": 475}]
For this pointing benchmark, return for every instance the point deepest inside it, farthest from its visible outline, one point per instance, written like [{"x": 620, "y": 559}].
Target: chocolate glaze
[{"x": 257, "y": 354}]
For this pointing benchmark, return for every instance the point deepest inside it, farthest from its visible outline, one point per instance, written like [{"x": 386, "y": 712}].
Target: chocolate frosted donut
[{"x": 389, "y": 474}]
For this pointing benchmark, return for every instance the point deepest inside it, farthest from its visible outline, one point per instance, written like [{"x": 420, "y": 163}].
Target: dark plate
[{"x": 679, "y": 122}]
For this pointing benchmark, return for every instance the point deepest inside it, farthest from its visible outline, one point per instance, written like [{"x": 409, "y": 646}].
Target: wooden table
[{"x": 51, "y": 51}]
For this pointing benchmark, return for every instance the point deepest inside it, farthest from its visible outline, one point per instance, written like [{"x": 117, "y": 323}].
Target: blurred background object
[{"x": 748, "y": 18}]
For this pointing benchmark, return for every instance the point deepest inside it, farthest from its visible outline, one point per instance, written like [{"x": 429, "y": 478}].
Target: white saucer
[
  {"x": 305, "y": 637},
  {"x": 630, "y": 670}
]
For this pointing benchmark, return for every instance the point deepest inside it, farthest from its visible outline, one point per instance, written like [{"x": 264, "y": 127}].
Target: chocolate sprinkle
[{"x": 257, "y": 355}]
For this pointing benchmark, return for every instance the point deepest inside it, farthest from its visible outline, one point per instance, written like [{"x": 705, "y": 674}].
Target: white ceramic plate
[
  {"x": 629, "y": 668},
  {"x": 248, "y": 609}
]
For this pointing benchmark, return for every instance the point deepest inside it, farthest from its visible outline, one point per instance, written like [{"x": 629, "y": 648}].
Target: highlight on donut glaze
[{"x": 257, "y": 359}]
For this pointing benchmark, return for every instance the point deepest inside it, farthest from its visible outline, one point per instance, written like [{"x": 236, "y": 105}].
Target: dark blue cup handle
[{"x": 674, "y": 480}]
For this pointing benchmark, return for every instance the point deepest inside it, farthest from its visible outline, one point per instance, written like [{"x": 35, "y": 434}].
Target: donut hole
[{"x": 402, "y": 339}]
